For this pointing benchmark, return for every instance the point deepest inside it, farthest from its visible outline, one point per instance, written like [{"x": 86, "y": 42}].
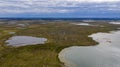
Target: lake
[
  {"x": 83, "y": 24},
  {"x": 105, "y": 54},
  {"x": 25, "y": 40},
  {"x": 114, "y": 23}
]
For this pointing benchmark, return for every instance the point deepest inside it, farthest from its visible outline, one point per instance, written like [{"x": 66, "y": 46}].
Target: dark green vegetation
[{"x": 60, "y": 35}]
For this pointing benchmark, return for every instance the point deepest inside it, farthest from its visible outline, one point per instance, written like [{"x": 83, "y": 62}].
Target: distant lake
[
  {"x": 106, "y": 54},
  {"x": 25, "y": 40},
  {"x": 114, "y": 23},
  {"x": 84, "y": 24}
]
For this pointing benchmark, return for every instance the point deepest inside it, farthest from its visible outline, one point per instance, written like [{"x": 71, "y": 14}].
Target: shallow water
[
  {"x": 25, "y": 40},
  {"x": 106, "y": 54}
]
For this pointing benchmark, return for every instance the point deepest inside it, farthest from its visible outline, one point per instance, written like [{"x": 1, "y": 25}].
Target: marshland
[{"x": 58, "y": 34}]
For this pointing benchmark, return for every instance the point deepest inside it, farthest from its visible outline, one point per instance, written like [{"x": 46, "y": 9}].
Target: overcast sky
[{"x": 60, "y": 8}]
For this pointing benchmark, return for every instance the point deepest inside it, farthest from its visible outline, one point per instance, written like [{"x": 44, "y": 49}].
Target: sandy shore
[{"x": 62, "y": 58}]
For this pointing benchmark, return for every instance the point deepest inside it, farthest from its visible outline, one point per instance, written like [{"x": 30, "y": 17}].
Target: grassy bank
[{"x": 60, "y": 36}]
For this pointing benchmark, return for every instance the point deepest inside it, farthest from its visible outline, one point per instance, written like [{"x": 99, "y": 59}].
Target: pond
[
  {"x": 25, "y": 40},
  {"x": 106, "y": 54}
]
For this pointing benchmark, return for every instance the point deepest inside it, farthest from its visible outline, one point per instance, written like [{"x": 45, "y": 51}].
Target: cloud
[
  {"x": 96, "y": 1},
  {"x": 56, "y": 6}
]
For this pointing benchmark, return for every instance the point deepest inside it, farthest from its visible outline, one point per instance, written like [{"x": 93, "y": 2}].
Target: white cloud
[
  {"x": 58, "y": 6},
  {"x": 96, "y": 1}
]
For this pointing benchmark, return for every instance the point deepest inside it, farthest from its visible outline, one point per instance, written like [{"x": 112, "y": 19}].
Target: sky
[{"x": 60, "y": 8}]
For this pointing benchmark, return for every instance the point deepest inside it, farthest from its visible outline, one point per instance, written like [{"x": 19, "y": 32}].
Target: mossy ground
[{"x": 59, "y": 35}]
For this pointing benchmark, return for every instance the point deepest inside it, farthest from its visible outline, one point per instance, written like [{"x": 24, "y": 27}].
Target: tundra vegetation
[{"x": 60, "y": 34}]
